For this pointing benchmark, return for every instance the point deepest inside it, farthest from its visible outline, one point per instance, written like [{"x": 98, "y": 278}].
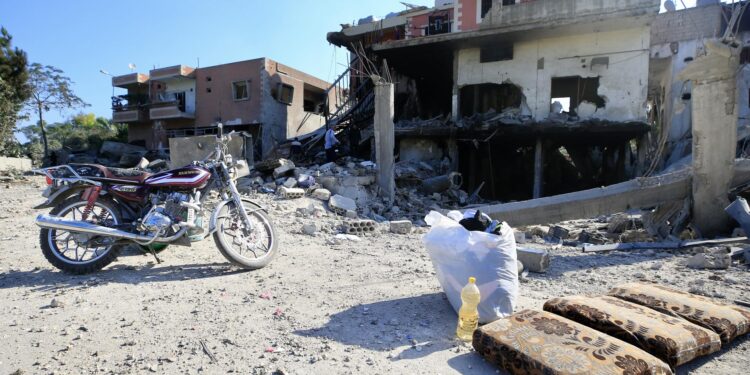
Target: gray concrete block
[
  {"x": 360, "y": 227},
  {"x": 288, "y": 193},
  {"x": 401, "y": 226},
  {"x": 341, "y": 204},
  {"x": 322, "y": 194},
  {"x": 290, "y": 183},
  {"x": 285, "y": 168},
  {"x": 534, "y": 260}
]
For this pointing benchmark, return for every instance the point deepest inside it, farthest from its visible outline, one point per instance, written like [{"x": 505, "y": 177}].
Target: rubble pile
[
  {"x": 349, "y": 188},
  {"x": 111, "y": 154},
  {"x": 609, "y": 229}
]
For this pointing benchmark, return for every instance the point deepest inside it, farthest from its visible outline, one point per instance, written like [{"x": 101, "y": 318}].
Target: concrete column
[
  {"x": 385, "y": 139},
  {"x": 538, "y": 168},
  {"x": 714, "y": 127},
  {"x": 456, "y": 98}
]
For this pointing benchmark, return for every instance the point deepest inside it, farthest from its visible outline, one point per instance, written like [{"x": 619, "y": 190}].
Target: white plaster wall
[
  {"x": 624, "y": 84},
  {"x": 678, "y": 111}
]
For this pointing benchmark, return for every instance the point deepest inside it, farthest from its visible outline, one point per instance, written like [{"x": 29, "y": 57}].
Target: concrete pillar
[
  {"x": 456, "y": 98},
  {"x": 714, "y": 127},
  {"x": 538, "y": 168},
  {"x": 385, "y": 140}
]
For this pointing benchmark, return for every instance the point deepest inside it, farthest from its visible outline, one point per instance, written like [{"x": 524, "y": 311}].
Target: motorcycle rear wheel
[
  {"x": 51, "y": 242},
  {"x": 253, "y": 251}
]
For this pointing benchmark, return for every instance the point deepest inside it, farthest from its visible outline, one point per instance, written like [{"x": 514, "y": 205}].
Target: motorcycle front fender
[{"x": 249, "y": 204}]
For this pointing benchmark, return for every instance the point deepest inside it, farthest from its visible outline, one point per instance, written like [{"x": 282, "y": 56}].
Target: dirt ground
[{"x": 323, "y": 306}]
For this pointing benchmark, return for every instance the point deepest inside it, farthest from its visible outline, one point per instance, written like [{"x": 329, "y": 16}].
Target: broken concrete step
[
  {"x": 534, "y": 260},
  {"x": 293, "y": 193}
]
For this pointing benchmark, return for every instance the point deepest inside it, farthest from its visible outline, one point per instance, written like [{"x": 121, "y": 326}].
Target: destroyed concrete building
[
  {"x": 677, "y": 39},
  {"x": 525, "y": 99},
  {"x": 271, "y": 101}
]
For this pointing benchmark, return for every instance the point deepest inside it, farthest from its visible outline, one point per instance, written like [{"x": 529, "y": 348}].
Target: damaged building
[
  {"x": 677, "y": 39},
  {"x": 523, "y": 98},
  {"x": 266, "y": 99}
]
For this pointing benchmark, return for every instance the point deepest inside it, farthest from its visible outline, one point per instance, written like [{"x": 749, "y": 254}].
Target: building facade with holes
[
  {"x": 548, "y": 94},
  {"x": 269, "y": 100}
]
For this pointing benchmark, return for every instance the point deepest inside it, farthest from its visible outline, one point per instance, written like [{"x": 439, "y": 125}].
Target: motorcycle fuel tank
[{"x": 191, "y": 177}]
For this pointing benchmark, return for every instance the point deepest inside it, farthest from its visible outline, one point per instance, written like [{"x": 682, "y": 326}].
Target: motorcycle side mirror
[{"x": 220, "y": 126}]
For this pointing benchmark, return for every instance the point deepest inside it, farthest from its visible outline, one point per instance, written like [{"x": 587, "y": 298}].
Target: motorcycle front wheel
[{"x": 252, "y": 249}]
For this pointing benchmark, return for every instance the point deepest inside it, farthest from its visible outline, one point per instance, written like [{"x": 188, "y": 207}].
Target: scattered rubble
[{"x": 713, "y": 258}]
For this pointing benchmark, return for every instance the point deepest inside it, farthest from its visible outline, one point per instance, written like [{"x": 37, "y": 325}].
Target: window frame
[
  {"x": 279, "y": 90},
  {"x": 486, "y": 54},
  {"x": 247, "y": 90}
]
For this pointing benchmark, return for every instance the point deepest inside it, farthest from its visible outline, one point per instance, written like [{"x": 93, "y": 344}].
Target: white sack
[{"x": 457, "y": 254}]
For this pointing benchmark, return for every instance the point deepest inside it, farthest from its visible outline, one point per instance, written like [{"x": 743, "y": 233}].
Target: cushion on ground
[
  {"x": 671, "y": 339},
  {"x": 539, "y": 342},
  {"x": 726, "y": 320}
]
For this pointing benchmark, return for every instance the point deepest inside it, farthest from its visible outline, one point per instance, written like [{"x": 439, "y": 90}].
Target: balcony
[
  {"x": 129, "y": 108},
  {"x": 172, "y": 105}
]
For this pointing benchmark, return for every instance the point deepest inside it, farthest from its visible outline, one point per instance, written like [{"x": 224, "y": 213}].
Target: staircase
[{"x": 350, "y": 106}]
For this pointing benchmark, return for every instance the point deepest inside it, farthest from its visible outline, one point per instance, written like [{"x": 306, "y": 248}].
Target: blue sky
[{"x": 83, "y": 36}]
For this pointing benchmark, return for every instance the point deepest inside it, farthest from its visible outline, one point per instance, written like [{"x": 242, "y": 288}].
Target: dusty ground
[{"x": 372, "y": 306}]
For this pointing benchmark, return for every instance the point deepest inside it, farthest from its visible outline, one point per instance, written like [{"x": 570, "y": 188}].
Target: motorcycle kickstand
[{"x": 158, "y": 261}]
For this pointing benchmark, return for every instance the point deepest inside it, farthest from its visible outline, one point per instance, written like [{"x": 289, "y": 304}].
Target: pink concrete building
[{"x": 267, "y": 99}]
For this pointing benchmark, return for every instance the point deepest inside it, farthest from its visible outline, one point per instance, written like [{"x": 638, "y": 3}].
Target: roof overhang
[{"x": 129, "y": 80}]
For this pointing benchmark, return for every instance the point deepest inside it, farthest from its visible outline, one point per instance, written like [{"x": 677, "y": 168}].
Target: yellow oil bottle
[{"x": 468, "y": 316}]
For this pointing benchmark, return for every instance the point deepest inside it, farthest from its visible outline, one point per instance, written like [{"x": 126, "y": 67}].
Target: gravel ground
[{"x": 323, "y": 306}]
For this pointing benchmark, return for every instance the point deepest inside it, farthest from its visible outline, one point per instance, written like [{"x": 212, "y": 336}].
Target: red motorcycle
[{"x": 96, "y": 211}]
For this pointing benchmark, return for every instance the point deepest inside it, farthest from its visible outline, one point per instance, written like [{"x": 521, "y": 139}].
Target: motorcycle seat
[{"x": 132, "y": 175}]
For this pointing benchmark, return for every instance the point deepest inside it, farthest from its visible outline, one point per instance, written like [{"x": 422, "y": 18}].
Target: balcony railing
[
  {"x": 129, "y": 108},
  {"x": 170, "y": 105}
]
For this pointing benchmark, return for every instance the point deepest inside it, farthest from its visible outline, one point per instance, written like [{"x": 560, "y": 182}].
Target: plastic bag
[{"x": 457, "y": 254}]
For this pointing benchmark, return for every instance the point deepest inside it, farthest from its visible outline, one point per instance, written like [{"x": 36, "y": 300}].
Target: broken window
[
  {"x": 240, "y": 90},
  {"x": 285, "y": 93},
  {"x": 564, "y": 105},
  {"x": 576, "y": 90},
  {"x": 495, "y": 53},
  {"x": 314, "y": 99},
  {"x": 489, "y": 96},
  {"x": 440, "y": 24}
]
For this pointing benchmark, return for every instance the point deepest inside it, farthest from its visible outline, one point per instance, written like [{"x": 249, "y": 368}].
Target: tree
[
  {"x": 14, "y": 90},
  {"x": 86, "y": 120},
  {"x": 50, "y": 89}
]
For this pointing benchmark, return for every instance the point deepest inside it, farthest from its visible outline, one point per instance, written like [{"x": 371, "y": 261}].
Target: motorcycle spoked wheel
[
  {"x": 252, "y": 251},
  {"x": 56, "y": 244}
]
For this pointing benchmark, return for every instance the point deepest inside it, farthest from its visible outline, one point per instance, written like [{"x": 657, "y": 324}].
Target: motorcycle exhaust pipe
[{"x": 54, "y": 222}]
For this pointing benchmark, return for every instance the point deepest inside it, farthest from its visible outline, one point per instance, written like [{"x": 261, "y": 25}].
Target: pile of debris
[
  {"x": 111, "y": 154},
  {"x": 349, "y": 187}
]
